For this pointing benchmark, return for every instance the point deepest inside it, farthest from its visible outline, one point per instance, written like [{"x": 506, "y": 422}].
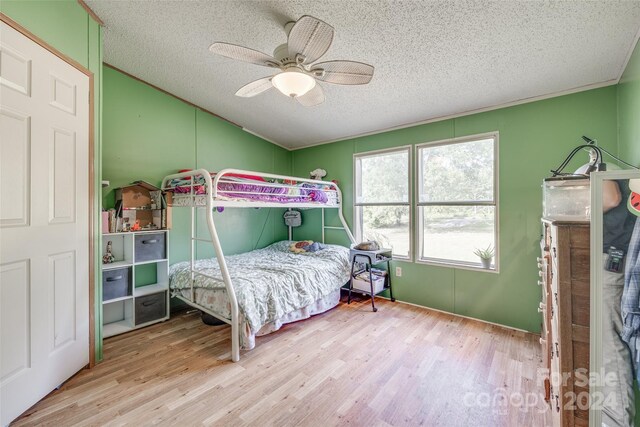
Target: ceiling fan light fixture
[{"x": 293, "y": 83}]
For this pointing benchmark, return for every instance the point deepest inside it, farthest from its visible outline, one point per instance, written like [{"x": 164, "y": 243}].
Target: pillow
[
  {"x": 299, "y": 247},
  {"x": 306, "y": 246}
]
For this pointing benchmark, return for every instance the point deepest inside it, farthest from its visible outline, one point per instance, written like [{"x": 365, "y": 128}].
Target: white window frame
[
  {"x": 496, "y": 203},
  {"x": 357, "y": 219}
]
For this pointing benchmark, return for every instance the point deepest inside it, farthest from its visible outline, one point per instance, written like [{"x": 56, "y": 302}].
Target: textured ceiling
[{"x": 431, "y": 58}]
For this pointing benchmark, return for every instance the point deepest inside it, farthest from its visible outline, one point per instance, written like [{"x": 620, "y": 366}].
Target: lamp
[{"x": 293, "y": 82}]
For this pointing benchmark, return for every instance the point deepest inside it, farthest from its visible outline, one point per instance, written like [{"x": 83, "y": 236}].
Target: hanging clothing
[
  {"x": 618, "y": 222},
  {"x": 618, "y": 407},
  {"x": 630, "y": 303}
]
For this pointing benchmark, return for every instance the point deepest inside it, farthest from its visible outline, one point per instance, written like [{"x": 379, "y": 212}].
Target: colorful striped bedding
[{"x": 249, "y": 187}]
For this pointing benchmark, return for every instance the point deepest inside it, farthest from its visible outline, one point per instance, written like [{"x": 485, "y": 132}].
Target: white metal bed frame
[{"x": 213, "y": 198}]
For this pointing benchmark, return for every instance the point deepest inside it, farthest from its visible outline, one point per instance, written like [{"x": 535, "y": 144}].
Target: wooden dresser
[{"x": 564, "y": 279}]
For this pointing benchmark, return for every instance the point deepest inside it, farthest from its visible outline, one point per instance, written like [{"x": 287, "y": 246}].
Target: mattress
[
  {"x": 237, "y": 187},
  {"x": 269, "y": 283},
  {"x": 204, "y": 297}
]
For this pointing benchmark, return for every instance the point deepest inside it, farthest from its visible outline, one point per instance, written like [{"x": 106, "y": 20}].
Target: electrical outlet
[{"x": 398, "y": 271}]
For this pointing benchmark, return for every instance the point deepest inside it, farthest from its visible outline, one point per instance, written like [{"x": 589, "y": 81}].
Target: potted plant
[{"x": 486, "y": 255}]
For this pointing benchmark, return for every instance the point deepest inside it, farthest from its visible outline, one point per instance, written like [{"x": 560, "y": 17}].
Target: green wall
[
  {"x": 534, "y": 138},
  {"x": 629, "y": 110},
  {"x": 66, "y": 26},
  {"x": 149, "y": 134}
]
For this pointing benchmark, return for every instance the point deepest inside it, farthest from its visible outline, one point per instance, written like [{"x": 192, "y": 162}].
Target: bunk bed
[{"x": 240, "y": 290}]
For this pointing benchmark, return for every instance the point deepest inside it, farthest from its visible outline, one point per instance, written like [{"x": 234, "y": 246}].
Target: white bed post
[
  {"x": 233, "y": 301},
  {"x": 322, "y": 225},
  {"x": 342, "y": 220},
  {"x": 192, "y": 248},
  {"x": 193, "y": 241}
]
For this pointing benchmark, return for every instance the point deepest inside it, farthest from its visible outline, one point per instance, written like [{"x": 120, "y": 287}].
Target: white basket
[{"x": 363, "y": 285}]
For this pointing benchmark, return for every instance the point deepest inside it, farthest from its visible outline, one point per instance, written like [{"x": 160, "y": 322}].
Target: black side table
[{"x": 370, "y": 259}]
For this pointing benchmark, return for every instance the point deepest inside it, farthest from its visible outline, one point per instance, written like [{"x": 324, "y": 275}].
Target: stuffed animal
[
  {"x": 108, "y": 257},
  {"x": 317, "y": 173}
]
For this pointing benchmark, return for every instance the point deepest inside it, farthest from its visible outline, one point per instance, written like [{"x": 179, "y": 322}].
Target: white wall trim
[
  {"x": 467, "y": 113},
  {"x": 629, "y": 54},
  {"x": 265, "y": 138},
  {"x": 510, "y": 328}
]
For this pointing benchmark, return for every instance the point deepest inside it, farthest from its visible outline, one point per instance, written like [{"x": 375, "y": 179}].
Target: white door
[{"x": 44, "y": 228}]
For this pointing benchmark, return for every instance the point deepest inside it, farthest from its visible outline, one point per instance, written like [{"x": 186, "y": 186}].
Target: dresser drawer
[
  {"x": 150, "y": 307},
  {"x": 116, "y": 283},
  {"x": 150, "y": 247}
]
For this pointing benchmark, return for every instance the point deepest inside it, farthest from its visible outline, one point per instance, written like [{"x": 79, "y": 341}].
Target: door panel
[
  {"x": 15, "y": 70},
  {"x": 62, "y": 177},
  {"x": 15, "y": 146},
  {"x": 63, "y": 276},
  {"x": 15, "y": 287},
  {"x": 44, "y": 222},
  {"x": 63, "y": 95}
]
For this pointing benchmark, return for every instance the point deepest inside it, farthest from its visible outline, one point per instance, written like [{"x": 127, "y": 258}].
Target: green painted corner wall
[
  {"x": 148, "y": 134},
  {"x": 67, "y": 27},
  {"x": 629, "y": 110},
  {"x": 534, "y": 138}
]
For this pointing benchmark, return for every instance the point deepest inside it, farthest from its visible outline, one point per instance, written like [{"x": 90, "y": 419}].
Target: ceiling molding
[
  {"x": 91, "y": 13},
  {"x": 389, "y": 129},
  {"x": 171, "y": 94},
  {"x": 266, "y": 139},
  {"x": 629, "y": 54},
  {"x": 468, "y": 113}
]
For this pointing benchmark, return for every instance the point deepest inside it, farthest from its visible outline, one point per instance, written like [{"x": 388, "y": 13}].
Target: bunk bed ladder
[{"x": 344, "y": 226}]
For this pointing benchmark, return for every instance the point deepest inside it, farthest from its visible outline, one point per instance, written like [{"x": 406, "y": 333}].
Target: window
[
  {"x": 457, "y": 210},
  {"x": 382, "y": 199}
]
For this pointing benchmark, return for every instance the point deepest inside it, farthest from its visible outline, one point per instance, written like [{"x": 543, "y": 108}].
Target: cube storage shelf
[{"x": 133, "y": 297}]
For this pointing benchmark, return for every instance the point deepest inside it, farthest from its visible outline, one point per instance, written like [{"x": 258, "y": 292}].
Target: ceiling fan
[{"x": 308, "y": 39}]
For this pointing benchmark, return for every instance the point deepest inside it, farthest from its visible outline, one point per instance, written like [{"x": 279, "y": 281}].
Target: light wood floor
[{"x": 403, "y": 365}]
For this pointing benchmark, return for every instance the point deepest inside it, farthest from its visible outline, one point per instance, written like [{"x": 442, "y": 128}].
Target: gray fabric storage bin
[
  {"x": 150, "y": 247},
  {"x": 116, "y": 283},
  {"x": 151, "y": 307}
]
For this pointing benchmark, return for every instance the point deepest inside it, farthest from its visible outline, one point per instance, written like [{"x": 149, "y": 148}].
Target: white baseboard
[{"x": 460, "y": 315}]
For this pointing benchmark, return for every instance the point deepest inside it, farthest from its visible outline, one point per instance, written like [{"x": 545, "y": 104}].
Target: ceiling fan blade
[
  {"x": 242, "y": 53},
  {"x": 255, "y": 88},
  {"x": 314, "y": 97},
  {"x": 343, "y": 72},
  {"x": 310, "y": 38}
]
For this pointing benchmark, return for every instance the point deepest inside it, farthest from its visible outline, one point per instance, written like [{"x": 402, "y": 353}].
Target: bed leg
[
  {"x": 389, "y": 282},
  {"x": 373, "y": 295},
  {"x": 235, "y": 343},
  {"x": 353, "y": 266}
]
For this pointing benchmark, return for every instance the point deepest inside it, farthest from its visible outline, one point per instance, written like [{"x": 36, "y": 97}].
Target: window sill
[{"x": 460, "y": 266}]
